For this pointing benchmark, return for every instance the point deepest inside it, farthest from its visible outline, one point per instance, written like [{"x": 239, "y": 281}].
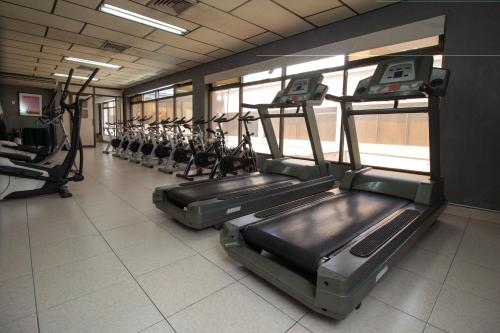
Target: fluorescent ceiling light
[
  {"x": 92, "y": 62},
  {"x": 126, "y": 14},
  {"x": 75, "y": 77}
]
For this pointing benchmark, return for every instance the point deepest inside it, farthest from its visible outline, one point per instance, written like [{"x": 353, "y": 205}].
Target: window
[
  {"x": 186, "y": 89},
  {"x": 226, "y": 82},
  {"x": 315, "y": 65},
  {"x": 135, "y": 99},
  {"x": 166, "y": 109},
  {"x": 109, "y": 116},
  {"x": 149, "y": 96},
  {"x": 184, "y": 107},
  {"x": 136, "y": 110},
  {"x": 396, "y": 48},
  {"x": 166, "y": 93},
  {"x": 150, "y": 110},
  {"x": 265, "y": 75},
  {"x": 261, "y": 93},
  {"x": 227, "y": 101}
]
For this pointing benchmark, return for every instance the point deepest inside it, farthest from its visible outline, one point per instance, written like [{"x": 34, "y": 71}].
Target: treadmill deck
[{"x": 304, "y": 236}]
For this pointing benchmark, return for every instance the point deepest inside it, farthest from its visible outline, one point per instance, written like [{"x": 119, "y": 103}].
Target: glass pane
[
  {"x": 396, "y": 48},
  {"x": 315, "y": 65},
  {"x": 149, "y": 96},
  {"x": 270, "y": 74},
  {"x": 166, "y": 93},
  {"x": 166, "y": 109},
  {"x": 184, "y": 89},
  {"x": 184, "y": 107},
  {"x": 136, "y": 110},
  {"x": 226, "y": 82},
  {"x": 137, "y": 98},
  {"x": 150, "y": 110},
  {"x": 261, "y": 93},
  {"x": 227, "y": 102}
]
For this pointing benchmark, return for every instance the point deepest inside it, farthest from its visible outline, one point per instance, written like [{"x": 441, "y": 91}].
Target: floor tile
[
  {"x": 176, "y": 286},
  {"x": 485, "y": 215},
  {"x": 17, "y": 299},
  {"x": 372, "y": 317},
  {"x": 484, "y": 233},
  {"x": 457, "y": 210},
  {"x": 408, "y": 292},
  {"x": 475, "y": 279},
  {"x": 160, "y": 252},
  {"x": 232, "y": 309},
  {"x": 274, "y": 296},
  {"x": 457, "y": 311},
  {"x": 14, "y": 263},
  {"x": 13, "y": 234},
  {"x": 199, "y": 240},
  {"x": 134, "y": 234},
  {"x": 445, "y": 235},
  {"x": 426, "y": 263},
  {"x": 46, "y": 232},
  {"x": 25, "y": 325},
  {"x": 479, "y": 254},
  {"x": 118, "y": 219},
  {"x": 120, "y": 308},
  {"x": 161, "y": 327},
  {"x": 219, "y": 257},
  {"x": 66, "y": 282},
  {"x": 431, "y": 329},
  {"x": 297, "y": 328},
  {"x": 106, "y": 208},
  {"x": 68, "y": 250}
]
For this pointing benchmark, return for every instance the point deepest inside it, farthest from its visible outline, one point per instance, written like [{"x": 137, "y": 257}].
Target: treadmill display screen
[
  {"x": 399, "y": 72},
  {"x": 300, "y": 86}
]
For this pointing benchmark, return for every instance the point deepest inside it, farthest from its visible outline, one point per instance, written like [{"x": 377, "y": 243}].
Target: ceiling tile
[
  {"x": 72, "y": 37},
  {"x": 87, "y": 3},
  {"x": 45, "y": 5},
  {"x": 149, "y": 62},
  {"x": 21, "y": 45},
  {"x": 269, "y": 15},
  {"x": 11, "y": 24},
  {"x": 306, "y": 8},
  {"x": 225, "y": 5},
  {"x": 45, "y": 67},
  {"x": 16, "y": 62},
  {"x": 153, "y": 56},
  {"x": 13, "y": 50},
  {"x": 264, "y": 38},
  {"x": 33, "y": 39},
  {"x": 156, "y": 14},
  {"x": 221, "y": 21},
  {"x": 61, "y": 53},
  {"x": 363, "y": 6},
  {"x": 219, "y": 39},
  {"x": 101, "y": 19},
  {"x": 103, "y": 33},
  {"x": 13, "y": 56},
  {"x": 131, "y": 66},
  {"x": 190, "y": 64},
  {"x": 104, "y": 53},
  {"x": 17, "y": 70},
  {"x": 220, "y": 53},
  {"x": 331, "y": 16},
  {"x": 183, "y": 54},
  {"x": 38, "y": 17},
  {"x": 181, "y": 42}
]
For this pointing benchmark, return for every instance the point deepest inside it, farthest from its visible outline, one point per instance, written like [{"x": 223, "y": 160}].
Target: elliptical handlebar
[
  {"x": 65, "y": 92},
  {"x": 248, "y": 117}
]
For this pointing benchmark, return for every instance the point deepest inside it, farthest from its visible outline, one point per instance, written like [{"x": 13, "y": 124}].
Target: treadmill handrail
[{"x": 273, "y": 105}]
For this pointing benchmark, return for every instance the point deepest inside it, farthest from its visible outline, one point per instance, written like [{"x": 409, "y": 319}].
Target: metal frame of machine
[{"x": 339, "y": 279}]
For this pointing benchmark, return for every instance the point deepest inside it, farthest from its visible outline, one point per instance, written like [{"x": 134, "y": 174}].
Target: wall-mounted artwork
[{"x": 30, "y": 105}]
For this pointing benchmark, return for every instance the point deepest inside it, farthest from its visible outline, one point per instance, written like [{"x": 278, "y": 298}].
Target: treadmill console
[
  {"x": 301, "y": 89},
  {"x": 402, "y": 78}
]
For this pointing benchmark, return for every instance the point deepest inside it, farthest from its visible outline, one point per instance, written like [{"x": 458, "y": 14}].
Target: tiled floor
[{"x": 106, "y": 260}]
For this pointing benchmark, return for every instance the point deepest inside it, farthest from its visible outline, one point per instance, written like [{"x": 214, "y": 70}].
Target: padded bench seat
[
  {"x": 303, "y": 237},
  {"x": 184, "y": 195}
]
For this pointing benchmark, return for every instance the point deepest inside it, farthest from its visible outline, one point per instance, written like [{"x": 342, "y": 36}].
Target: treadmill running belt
[
  {"x": 306, "y": 235},
  {"x": 184, "y": 195}
]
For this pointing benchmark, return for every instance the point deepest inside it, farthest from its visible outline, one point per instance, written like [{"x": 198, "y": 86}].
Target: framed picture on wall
[{"x": 30, "y": 105}]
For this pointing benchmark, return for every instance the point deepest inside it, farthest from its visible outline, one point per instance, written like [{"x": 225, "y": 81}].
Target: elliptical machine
[{"x": 18, "y": 179}]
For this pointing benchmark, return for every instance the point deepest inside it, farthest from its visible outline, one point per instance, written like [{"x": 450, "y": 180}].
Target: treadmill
[
  {"x": 207, "y": 203},
  {"x": 329, "y": 250}
]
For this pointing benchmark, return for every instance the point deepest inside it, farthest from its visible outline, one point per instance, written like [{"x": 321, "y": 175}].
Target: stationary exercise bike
[{"x": 18, "y": 179}]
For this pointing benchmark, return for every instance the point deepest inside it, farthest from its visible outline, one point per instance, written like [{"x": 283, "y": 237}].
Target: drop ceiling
[{"x": 36, "y": 35}]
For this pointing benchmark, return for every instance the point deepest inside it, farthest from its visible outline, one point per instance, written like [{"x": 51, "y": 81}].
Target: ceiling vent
[
  {"x": 179, "y": 6},
  {"x": 113, "y": 47}
]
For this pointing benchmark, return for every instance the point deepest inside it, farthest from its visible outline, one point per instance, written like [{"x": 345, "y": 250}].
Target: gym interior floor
[{"x": 106, "y": 260}]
